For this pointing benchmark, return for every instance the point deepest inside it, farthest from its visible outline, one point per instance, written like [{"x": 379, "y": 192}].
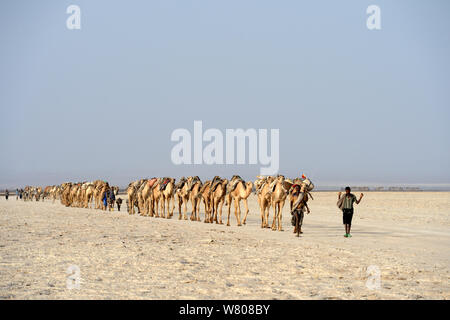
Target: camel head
[{"x": 248, "y": 187}]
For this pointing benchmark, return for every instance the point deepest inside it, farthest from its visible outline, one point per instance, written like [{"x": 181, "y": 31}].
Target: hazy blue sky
[{"x": 352, "y": 105}]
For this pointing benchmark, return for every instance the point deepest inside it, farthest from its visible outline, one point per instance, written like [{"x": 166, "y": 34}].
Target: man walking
[
  {"x": 112, "y": 199},
  {"x": 119, "y": 203},
  {"x": 345, "y": 203},
  {"x": 6, "y": 194}
]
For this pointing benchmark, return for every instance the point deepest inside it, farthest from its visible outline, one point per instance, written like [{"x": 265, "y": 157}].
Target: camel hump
[
  {"x": 180, "y": 183},
  {"x": 236, "y": 177},
  {"x": 205, "y": 185},
  {"x": 217, "y": 180},
  {"x": 235, "y": 182},
  {"x": 151, "y": 182},
  {"x": 163, "y": 183}
]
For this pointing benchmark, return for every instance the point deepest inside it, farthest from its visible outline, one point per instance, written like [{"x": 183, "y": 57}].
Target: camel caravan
[
  {"x": 30, "y": 193},
  {"x": 156, "y": 198},
  {"x": 80, "y": 195}
]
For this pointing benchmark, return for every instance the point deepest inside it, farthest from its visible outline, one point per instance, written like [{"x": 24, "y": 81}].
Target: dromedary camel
[
  {"x": 89, "y": 193},
  {"x": 205, "y": 194},
  {"x": 218, "y": 192},
  {"x": 145, "y": 196},
  {"x": 167, "y": 194},
  {"x": 240, "y": 190},
  {"x": 46, "y": 193},
  {"x": 182, "y": 192},
  {"x": 156, "y": 197},
  {"x": 100, "y": 188},
  {"x": 279, "y": 193},
  {"x": 131, "y": 193},
  {"x": 194, "y": 197},
  {"x": 65, "y": 187},
  {"x": 264, "y": 199}
]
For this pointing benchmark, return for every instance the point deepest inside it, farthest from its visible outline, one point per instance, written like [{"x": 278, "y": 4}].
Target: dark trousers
[
  {"x": 347, "y": 216},
  {"x": 300, "y": 214}
]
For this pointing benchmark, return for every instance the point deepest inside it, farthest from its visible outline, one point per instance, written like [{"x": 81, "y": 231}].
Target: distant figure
[
  {"x": 6, "y": 194},
  {"x": 17, "y": 194},
  {"x": 112, "y": 199},
  {"x": 119, "y": 203},
  {"x": 20, "y": 194},
  {"x": 346, "y": 205},
  {"x": 105, "y": 200}
]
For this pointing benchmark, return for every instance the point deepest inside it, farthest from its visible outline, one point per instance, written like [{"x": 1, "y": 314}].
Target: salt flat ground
[{"x": 405, "y": 235}]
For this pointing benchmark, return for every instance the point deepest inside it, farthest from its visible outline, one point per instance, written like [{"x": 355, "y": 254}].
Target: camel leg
[
  {"x": 194, "y": 208},
  {"x": 261, "y": 209},
  {"x": 206, "y": 212},
  {"x": 210, "y": 210},
  {"x": 274, "y": 223},
  {"x": 280, "y": 216},
  {"x": 267, "y": 214},
  {"x": 185, "y": 209},
  {"x": 261, "y": 212},
  {"x": 229, "y": 213},
  {"x": 158, "y": 215},
  {"x": 169, "y": 214},
  {"x": 131, "y": 204},
  {"x": 144, "y": 208},
  {"x": 155, "y": 204},
  {"x": 148, "y": 207},
  {"x": 220, "y": 212},
  {"x": 163, "y": 208},
  {"x": 215, "y": 208},
  {"x": 198, "y": 209},
  {"x": 246, "y": 211},
  {"x": 179, "y": 208},
  {"x": 237, "y": 212},
  {"x": 168, "y": 208},
  {"x": 229, "y": 201},
  {"x": 151, "y": 208}
]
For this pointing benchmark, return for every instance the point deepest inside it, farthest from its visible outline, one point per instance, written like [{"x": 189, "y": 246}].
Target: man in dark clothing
[
  {"x": 105, "y": 200},
  {"x": 347, "y": 209},
  {"x": 112, "y": 199},
  {"x": 6, "y": 194},
  {"x": 119, "y": 203}
]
